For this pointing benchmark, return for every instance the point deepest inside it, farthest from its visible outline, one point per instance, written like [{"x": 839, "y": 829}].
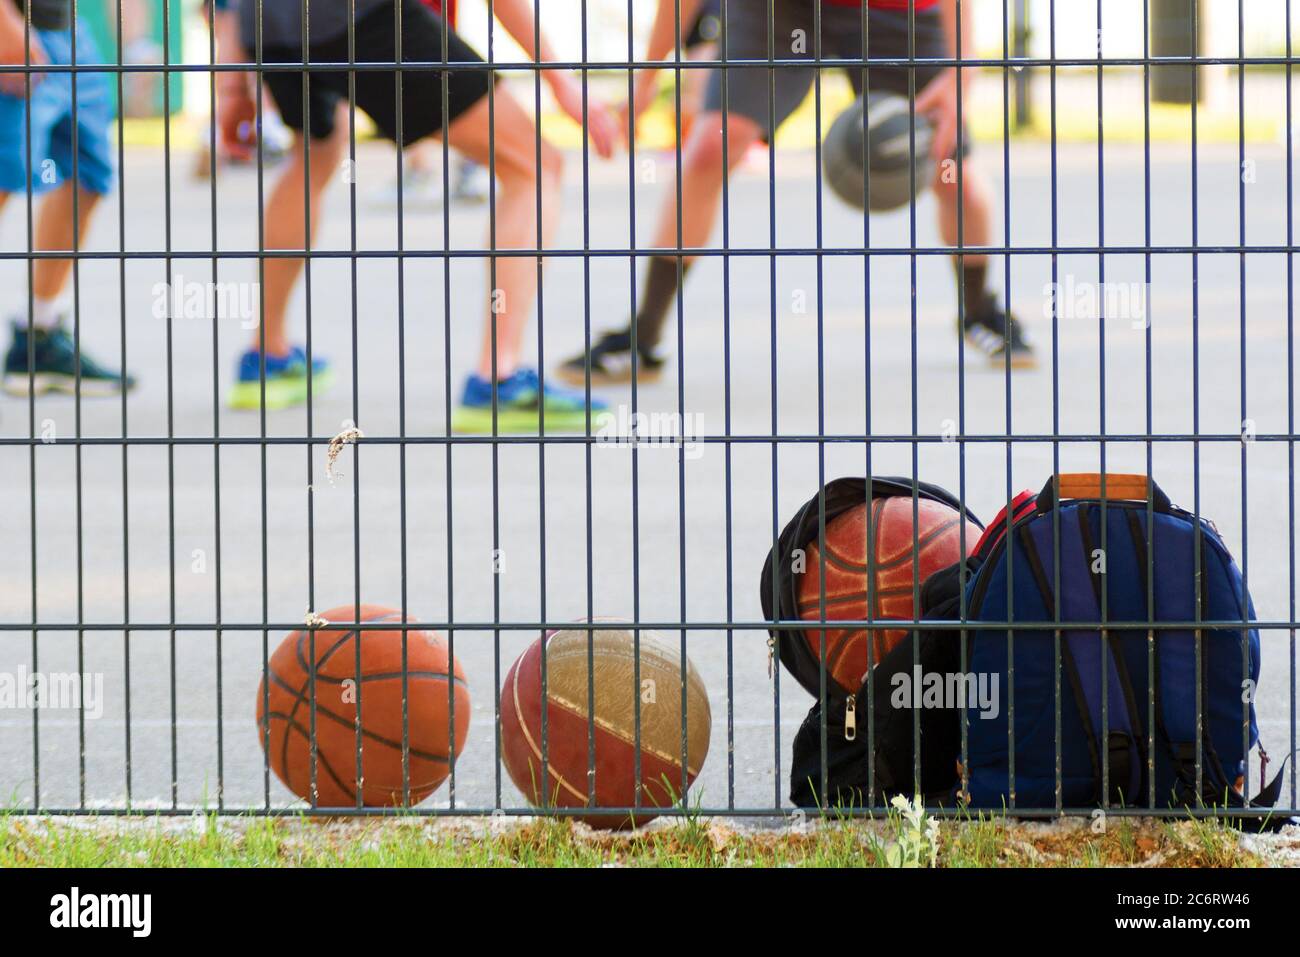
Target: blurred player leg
[{"x": 43, "y": 353}]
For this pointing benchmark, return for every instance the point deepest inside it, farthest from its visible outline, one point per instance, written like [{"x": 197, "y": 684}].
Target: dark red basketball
[
  {"x": 617, "y": 697},
  {"x": 379, "y": 687},
  {"x": 897, "y": 568}
]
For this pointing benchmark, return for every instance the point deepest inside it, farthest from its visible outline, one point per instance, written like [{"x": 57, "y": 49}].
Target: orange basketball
[
  {"x": 897, "y": 569},
  {"x": 285, "y": 725},
  {"x": 616, "y": 697}
]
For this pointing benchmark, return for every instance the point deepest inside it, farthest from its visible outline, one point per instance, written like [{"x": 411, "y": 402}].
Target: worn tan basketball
[{"x": 617, "y": 699}]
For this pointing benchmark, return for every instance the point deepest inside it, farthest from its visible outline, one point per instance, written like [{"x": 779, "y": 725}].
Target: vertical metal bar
[
  {"x": 1196, "y": 423},
  {"x": 1247, "y": 700},
  {"x": 1056, "y": 423},
  {"x": 126, "y": 523},
  {"x": 76, "y": 355},
  {"x": 587, "y": 463},
  {"x": 1150, "y": 412},
  {"x": 171, "y": 414},
  {"x": 31, "y": 392},
  {"x": 872, "y": 551},
  {"x": 445, "y": 92},
  {"x": 1290, "y": 388},
  {"x": 399, "y": 72},
  {"x": 824, "y": 760},
  {"x": 261, "y": 403},
  {"x": 681, "y": 395},
  {"x": 216, "y": 393},
  {"x": 495, "y": 445},
  {"x": 314, "y": 743},
  {"x": 636, "y": 461},
  {"x": 541, "y": 385},
  {"x": 962, "y": 572},
  {"x": 357, "y": 735},
  {"x": 1103, "y": 634},
  {"x": 771, "y": 206},
  {"x": 916, "y": 408},
  {"x": 724, "y": 76}
]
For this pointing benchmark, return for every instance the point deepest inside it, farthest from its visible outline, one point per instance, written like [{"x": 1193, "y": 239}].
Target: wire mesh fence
[{"x": 441, "y": 544}]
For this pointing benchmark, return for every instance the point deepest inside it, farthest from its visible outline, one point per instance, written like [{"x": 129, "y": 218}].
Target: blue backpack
[{"x": 1129, "y": 696}]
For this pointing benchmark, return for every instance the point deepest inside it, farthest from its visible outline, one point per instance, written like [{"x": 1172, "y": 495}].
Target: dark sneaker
[
  {"x": 994, "y": 333},
  {"x": 610, "y": 359},
  {"x": 519, "y": 404},
  {"x": 55, "y": 366},
  {"x": 286, "y": 380}
]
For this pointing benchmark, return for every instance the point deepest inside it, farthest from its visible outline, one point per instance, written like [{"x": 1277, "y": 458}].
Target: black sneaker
[
  {"x": 610, "y": 360},
  {"x": 55, "y": 368},
  {"x": 994, "y": 332}
]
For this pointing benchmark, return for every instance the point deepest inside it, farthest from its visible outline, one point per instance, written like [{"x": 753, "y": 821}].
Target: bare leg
[
  {"x": 419, "y": 157},
  {"x": 54, "y": 230},
  {"x": 286, "y": 227},
  {"x": 518, "y": 182},
  {"x": 702, "y": 176},
  {"x": 976, "y": 205}
]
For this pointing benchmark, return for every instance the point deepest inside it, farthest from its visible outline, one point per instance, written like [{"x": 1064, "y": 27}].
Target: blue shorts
[{"x": 53, "y": 120}]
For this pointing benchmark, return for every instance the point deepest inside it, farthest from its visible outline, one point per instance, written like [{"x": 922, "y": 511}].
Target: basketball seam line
[
  {"x": 523, "y": 725},
  {"x": 302, "y": 664},
  {"x": 847, "y": 565},
  {"x": 295, "y": 726},
  {"x": 621, "y": 735},
  {"x": 340, "y": 719}
]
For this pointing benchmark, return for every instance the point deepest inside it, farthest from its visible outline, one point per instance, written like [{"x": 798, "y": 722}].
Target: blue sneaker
[
  {"x": 520, "y": 401},
  {"x": 55, "y": 365},
  {"x": 286, "y": 380}
]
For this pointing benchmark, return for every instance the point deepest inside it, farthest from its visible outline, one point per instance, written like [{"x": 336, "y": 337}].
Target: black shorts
[
  {"x": 749, "y": 32},
  {"x": 376, "y": 90}
]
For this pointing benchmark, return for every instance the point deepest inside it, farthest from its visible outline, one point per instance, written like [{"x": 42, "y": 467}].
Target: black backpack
[{"x": 832, "y": 763}]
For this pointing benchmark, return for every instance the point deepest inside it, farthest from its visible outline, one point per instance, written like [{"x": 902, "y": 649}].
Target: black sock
[
  {"x": 659, "y": 289},
  {"x": 974, "y": 286}
]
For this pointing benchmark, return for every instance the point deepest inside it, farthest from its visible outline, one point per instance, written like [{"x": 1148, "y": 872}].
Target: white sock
[{"x": 45, "y": 313}]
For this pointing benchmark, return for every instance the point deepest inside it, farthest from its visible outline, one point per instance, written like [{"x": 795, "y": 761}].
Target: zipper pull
[
  {"x": 851, "y": 718},
  {"x": 771, "y": 654}
]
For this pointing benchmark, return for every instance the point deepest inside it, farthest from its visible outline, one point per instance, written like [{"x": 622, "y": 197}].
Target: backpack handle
[{"x": 1119, "y": 487}]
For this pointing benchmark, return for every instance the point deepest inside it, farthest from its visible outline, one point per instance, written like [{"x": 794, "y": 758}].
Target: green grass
[{"x": 209, "y": 841}]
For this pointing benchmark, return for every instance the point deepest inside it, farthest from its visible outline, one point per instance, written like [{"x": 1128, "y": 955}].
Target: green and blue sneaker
[
  {"x": 55, "y": 365},
  {"x": 286, "y": 380},
  {"x": 520, "y": 401}
]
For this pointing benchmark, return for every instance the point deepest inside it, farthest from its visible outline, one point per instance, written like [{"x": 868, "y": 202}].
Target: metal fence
[{"x": 163, "y": 545}]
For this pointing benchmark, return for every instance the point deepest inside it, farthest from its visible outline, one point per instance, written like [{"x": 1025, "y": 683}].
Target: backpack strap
[
  {"x": 1183, "y": 754},
  {"x": 1006, "y": 519},
  {"x": 1044, "y": 582},
  {"x": 1114, "y": 643},
  {"x": 1111, "y": 486},
  {"x": 1088, "y": 657}
]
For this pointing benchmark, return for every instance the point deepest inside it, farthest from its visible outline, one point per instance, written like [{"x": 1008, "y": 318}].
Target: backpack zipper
[{"x": 851, "y": 717}]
